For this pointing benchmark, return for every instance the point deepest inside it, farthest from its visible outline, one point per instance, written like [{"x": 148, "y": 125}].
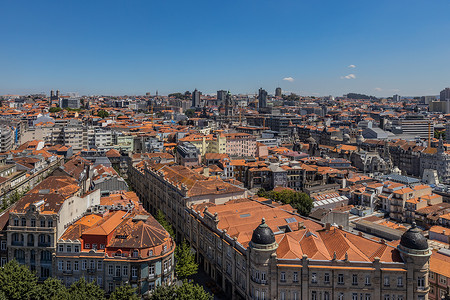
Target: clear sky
[{"x": 311, "y": 47}]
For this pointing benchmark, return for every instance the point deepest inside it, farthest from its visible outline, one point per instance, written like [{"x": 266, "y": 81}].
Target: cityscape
[{"x": 247, "y": 151}]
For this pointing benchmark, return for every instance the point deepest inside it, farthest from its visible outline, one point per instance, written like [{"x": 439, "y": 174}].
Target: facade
[
  {"x": 221, "y": 96},
  {"x": 288, "y": 257},
  {"x": 278, "y": 92},
  {"x": 196, "y": 102},
  {"x": 262, "y": 98},
  {"x": 6, "y": 138},
  {"x": 99, "y": 247},
  {"x": 38, "y": 219},
  {"x": 240, "y": 144},
  {"x": 445, "y": 95},
  {"x": 439, "y": 274},
  {"x": 73, "y": 103},
  {"x": 187, "y": 155}
]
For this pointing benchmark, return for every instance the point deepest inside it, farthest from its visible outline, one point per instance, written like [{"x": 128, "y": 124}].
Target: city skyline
[{"x": 315, "y": 49}]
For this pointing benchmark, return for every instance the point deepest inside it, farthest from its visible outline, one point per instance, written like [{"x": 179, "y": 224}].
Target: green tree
[
  {"x": 83, "y": 290},
  {"x": 164, "y": 293},
  {"x": 187, "y": 291},
  {"x": 161, "y": 218},
  {"x": 17, "y": 281},
  {"x": 298, "y": 200},
  {"x": 124, "y": 292},
  {"x": 103, "y": 113},
  {"x": 192, "y": 291},
  {"x": 189, "y": 113},
  {"x": 186, "y": 265},
  {"x": 53, "y": 289},
  {"x": 55, "y": 109}
]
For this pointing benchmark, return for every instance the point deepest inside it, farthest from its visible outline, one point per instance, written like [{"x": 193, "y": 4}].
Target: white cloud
[
  {"x": 352, "y": 66},
  {"x": 290, "y": 79},
  {"x": 378, "y": 89},
  {"x": 349, "y": 76}
]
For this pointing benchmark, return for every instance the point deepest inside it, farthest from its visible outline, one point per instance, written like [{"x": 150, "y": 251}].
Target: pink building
[{"x": 240, "y": 144}]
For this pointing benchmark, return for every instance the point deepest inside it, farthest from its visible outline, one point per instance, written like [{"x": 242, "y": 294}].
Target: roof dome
[
  {"x": 413, "y": 239},
  {"x": 263, "y": 235},
  {"x": 346, "y": 136}
]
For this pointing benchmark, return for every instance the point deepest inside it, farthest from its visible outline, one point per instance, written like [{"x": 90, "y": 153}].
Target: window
[
  {"x": 387, "y": 297},
  {"x": 341, "y": 279},
  {"x": 314, "y": 278},
  {"x": 326, "y": 296},
  {"x": 432, "y": 275},
  {"x": 150, "y": 252},
  {"x": 50, "y": 223},
  {"x": 327, "y": 278},
  {"x": 23, "y": 222},
  {"x": 99, "y": 281},
  {"x": 125, "y": 271},
  {"x": 263, "y": 277},
  {"x": 92, "y": 264},
  {"x": 398, "y": 298},
  {"x": 75, "y": 265},
  {"x": 165, "y": 266},
  {"x": 282, "y": 295},
  {"x": 68, "y": 248},
  {"x": 283, "y": 276},
  {"x": 367, "y": 297},
  {"x": 87, "y": 246},
  {"x": 151, "y": 271},
  {"x": 313, "y": 295},
  {"x": 69, "y": 266},
  {"x": 110, "y": 286},
  {"x": 16, "y": 222},
  {"x": 295, "y": 277},
  {"x": 42, "y": 222},
  {"x": 94, "y": 246},
  {"x": 355, "y": 296},
  {"x": 60, "y": 265},
  {"x": 102, "y": 246},
  {"x": 421, "y": 283},
  {"x": 76, "y": 248},
  {"x": 110, "y": 270},
  {"x": 341, "y": 296},
  {"x": 355, "y": 279},
  {"x": 99, "y": 265},
  {"x": 386, "y": 281},
  {"x": 135, "y": 253},
  {"x": 117, "y": 271},
  {"x": 400, "y": 281},
  {"x": 83, "y": 264},
  {"x": 60, "y": 248},
  {"x": 33, "y": 222},
  {"x": 133, "y": 272},
  {"x": 367, "y": 280},
  {"x": 442, "y": 279}
]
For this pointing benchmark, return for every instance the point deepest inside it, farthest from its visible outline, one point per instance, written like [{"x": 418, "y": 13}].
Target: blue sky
[{"x": 133, "y": 47}]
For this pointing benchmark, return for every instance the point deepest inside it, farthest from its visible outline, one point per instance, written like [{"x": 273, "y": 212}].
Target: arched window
[
  {"x": 19, "y": 255},
  {"x": 30, "y": 240},
  {"x": 16, "y": 221}
]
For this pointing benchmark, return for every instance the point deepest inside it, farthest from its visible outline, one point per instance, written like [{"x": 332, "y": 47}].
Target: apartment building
[
  {"x": 33, "y": 225},
  {"x": 240, "y": 144},
  {"x": 102, "y": 247},
  {"x": 258, "y": 251}
]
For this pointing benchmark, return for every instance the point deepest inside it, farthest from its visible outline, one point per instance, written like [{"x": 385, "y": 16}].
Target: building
[
  {"x": 439, "y": 274},
  {"x": 101, "y": 246},
  {"x": 221, "y": 96},
  {"x": 6, "y": 138},
  {"x": 445, "y": 95},
  {"x": 240, "y": 144},
  {"x": 262, "y": 98},
  {"x": 287, "y": 257},
  {"x": 196, "y": 102},
  {"x": 278, "y": 92},
  {"x": 187, "y": 155},
  {"x": 396, "y": 98},
  {"x": 40, "y": 218},
  {"x": 173, "y": 188},
  {"x": 73, "y": 103}
]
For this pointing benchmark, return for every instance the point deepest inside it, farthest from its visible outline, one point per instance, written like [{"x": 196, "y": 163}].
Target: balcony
[
  {"x": 17, "y": 243},
  {"x": 44, "y": 244}
]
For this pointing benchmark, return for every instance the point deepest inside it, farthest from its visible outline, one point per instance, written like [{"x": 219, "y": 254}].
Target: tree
[
  {"x": 17, "y": 281},
  {"x": 164, "y": 293},
  {"x": 161, "y": 218},
  {"x": 124, "y": 292},
  {"x": 186, "y": 265},
  {"x": 187, "y": 291},
  {"x": 53, "y": 289},
  {"x": 192, "y": 291},
  {"x": 189, "y": 113},
  {"x": 298, "y": 200},
  {"x": 55, "y": 109},
  {"x": 83, "y": 290},
  {"x": 103, "y": 113}
]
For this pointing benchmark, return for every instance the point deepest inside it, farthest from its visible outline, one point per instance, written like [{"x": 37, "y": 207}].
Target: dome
[
  {"x": 346, "y": 136},
  {"x": 263, "y": 235},
  {"x": 413, "y": 239}
]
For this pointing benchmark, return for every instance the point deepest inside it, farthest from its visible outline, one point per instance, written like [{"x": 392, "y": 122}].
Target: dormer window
[
  {"x": 42, "y": 222},
  {"x": 23, "y": 222},
  {"x": 33, "y": 222},
  {"x": 16, "y": 222},
  {"x": 135, "y": 253},
  {"x": 87, "y": 246},
  {"x": 50, "y": 223},
  {"x": 150, "y": 252}
]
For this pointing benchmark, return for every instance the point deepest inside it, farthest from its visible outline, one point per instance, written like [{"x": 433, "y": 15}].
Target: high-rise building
[
  {"x": 221, "y": 95},
  {"x": 196, "y": 98},
  {"x": 396, "y": 98},
  {"x": 278, "y": 92},
  {"x": 262, "y": 98},
  {"x": 445, "y": 94}
]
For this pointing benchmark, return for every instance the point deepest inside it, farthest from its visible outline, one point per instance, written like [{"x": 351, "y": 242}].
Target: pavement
[{"x": 209, "y": 285}]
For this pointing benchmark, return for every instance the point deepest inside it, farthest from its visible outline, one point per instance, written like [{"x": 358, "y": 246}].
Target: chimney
[{"x": 327, "y": 226}]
